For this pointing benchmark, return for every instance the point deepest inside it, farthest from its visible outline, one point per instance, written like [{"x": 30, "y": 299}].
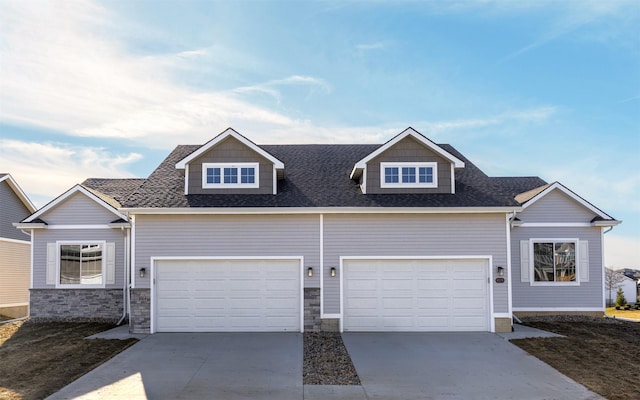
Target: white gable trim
[
  {"x": 229, "y": 132},
  {"x": 18, "y": 191},
  {"x": 568, "y": 192},
  {"x": 77, "y": 188},
  {"x": 457, "y": 163}
]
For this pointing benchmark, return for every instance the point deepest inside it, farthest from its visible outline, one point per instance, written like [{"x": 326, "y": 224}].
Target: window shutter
[
  {"x": 110, "y": 260},
  {"x": 52, "y": 258},
  {"x": 583, "y": 248},
  {"x": 524, "y": 261}
]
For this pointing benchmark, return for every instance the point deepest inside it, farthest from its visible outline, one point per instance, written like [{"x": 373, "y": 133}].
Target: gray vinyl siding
[
  {"x": 556, "y": 207},
  {"x": 78, "y": 209},
  {"x": 587, "y": 294},
  {"x": 408, "y": 150},
  {"x": 231, "y": 150},
  {"x": 14, "y": 272},
  {"x": 413, "y": 235},
  {"x": 44, "y": 236},
  {"x": 228, "y": 235},
  {"x": 11, "y": 210}
]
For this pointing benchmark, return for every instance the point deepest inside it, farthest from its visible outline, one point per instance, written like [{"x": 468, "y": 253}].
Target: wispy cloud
[
  {"x": 72, "y": 76},
  {"x": 590, "y": 20},
  {"x": 271, "y": 87},
  {"x": 538, "y": 114},
  {"x": 373, "y": 46},
  {"x": 44, "y": 169}
]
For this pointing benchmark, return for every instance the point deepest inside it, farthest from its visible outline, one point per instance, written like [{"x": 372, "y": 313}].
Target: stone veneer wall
[
  {"x": 140, "y": 309},
  {"x": 76, "y": 304},
  {"x": 312, "y": 321}
]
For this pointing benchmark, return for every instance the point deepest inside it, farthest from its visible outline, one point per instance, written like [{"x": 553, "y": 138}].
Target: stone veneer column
[
  {"x": 311, "y": 309},
  {"x": 140, "y": 308}
]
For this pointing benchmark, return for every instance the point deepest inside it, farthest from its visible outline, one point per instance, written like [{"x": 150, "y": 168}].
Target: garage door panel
[
  {"x": 397, "y": 284},
  {"x": 433, "y": 284},
  {"x": 415, "y": 295},
  {"x": 228, "y": 295},
  {"x": 434, "y": 304}
]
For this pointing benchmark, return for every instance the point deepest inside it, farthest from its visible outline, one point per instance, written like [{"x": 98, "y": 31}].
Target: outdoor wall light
[
  {"x": 500, "y": 271},
  {"x": 310, "y": 272},
  {"x": 333, "y": 271},
  {"x": 143, "y": 272}
]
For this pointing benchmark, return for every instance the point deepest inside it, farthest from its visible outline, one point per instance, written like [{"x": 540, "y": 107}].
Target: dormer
[
  {"x": 231, "y": 164},
  {"x": 408, "y": 163}
]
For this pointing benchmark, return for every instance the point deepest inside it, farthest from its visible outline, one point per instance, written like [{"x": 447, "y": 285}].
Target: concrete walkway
[{"x": 269, "y": 366}]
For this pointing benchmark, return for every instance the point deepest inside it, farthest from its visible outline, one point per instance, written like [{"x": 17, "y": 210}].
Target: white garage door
[
  {"x": 415, "y": 295},
  {"x": 228, "y": 296}
]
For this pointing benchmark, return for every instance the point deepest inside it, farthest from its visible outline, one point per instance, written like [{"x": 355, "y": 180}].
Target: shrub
[{"x": 620, "y": 300}]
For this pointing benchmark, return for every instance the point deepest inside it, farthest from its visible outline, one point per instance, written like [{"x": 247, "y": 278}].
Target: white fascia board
[
  {"x": 29, "y": 225},
  {"x": 318, "y": 210},
  {"x": 19, "y": 192},
  {"x": 606, "y": 223},
  {"x": 229, "y": 132},
  {"x": 67, "y": 194},
  {"x": 568, "y": 192},
  {"x": 419, "y": 137}
]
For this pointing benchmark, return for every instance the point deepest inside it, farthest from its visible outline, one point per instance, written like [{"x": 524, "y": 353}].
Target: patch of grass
[
  {"x": 601, "y": 354},
  {"x": 632, "y": 314},
  {"x": 38, "y": 359}
]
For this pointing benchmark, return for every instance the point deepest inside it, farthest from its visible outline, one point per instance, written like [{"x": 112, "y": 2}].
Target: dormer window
[
  {"x": 409, "y": 174},
  {"x": 230, "y": 175}
]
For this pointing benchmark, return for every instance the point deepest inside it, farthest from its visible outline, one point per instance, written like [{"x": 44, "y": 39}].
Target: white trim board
[
  {"x": 416, "y": 135},
  {"x": 318, "y": 210},
  {"x": 77, "y": 188},
  {"x": 571, "y": 194},
  {"x": 15, "y": 241},
  {"x": 277, "y": 164},
  {"x": 19, "y": 192}
]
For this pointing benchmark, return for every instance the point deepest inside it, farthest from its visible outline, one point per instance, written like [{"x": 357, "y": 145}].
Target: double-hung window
[
  {"x": 230, "y": 175},
  {"x": 409, "y": 174}
]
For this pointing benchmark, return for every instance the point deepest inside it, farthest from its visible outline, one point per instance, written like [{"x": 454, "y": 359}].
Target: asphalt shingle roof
[
  {"x": 316, "y": 176},
  {"x": 113, "y": 191}
]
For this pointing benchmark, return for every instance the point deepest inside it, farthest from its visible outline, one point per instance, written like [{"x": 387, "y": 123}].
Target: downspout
[
  {"x": 604, "y": 298},
  {"x": 125, "y": 289}
]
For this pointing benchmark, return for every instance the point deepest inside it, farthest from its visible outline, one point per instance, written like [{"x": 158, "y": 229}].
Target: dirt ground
[
  {"x": 37, "y": 359},
  {"x": 601, "y": 354}
]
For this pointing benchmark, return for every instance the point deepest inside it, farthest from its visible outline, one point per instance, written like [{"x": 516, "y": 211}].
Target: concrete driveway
[
  {"x": 198, "y": 366},
  {"x": 269, "y": 366},
  {"x": 451, "y": 366}
]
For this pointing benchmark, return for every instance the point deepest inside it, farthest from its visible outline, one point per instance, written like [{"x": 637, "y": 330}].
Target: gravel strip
[{"x": 326, "y": 361}]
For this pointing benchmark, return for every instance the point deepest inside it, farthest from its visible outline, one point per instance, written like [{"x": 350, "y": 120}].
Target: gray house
[
  {"x": 15, "y": 249},
  {"x": 232, "y": 236}
]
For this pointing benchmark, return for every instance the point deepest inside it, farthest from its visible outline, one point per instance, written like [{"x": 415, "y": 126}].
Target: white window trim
[
  {"x": 222, "y": 185},
  {"x": 532, "y": 280},
  {"x": 416, "y": 165},
  {"x": 81, "y": 286}
]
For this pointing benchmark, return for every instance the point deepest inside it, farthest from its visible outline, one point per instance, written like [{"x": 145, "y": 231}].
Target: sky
[{"x": 107, "y": 89}]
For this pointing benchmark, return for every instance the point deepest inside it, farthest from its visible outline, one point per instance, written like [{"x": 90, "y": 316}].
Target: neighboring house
[
  {"x": 629, "y": 288},
  {"x": 231, "y": 236},
  {"x": 15, "y": 249}
]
